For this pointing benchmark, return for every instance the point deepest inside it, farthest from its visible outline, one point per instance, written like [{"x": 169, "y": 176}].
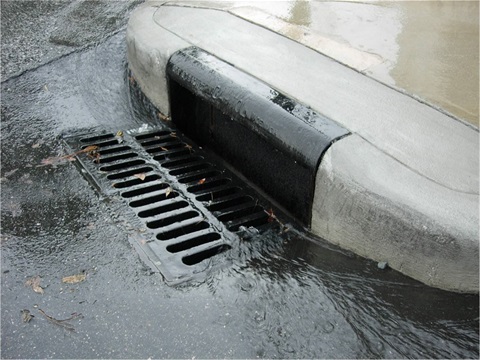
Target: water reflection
[{"x": 304, "y": 299}]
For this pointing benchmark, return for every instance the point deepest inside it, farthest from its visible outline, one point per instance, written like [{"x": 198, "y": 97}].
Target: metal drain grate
[
  {"x": 212, "y": 187},
  {"x": 189, "y": 206}
]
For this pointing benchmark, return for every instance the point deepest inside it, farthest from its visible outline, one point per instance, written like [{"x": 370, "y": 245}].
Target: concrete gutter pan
[{"x": 368, "y": 168}]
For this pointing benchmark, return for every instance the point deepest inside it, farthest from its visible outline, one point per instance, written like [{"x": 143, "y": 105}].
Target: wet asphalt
[{"x": 292, "y": 297}]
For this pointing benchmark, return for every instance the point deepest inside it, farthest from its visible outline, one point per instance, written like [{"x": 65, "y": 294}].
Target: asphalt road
[{"x": 282, "y": 297}]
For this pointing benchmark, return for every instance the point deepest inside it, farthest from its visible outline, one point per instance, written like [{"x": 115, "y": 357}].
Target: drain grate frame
[{"x": 188, "y": 206}]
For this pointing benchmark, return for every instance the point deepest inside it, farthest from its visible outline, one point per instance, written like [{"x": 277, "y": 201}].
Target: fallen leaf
[
  {"x": 168, "y": 191},
  {"x": 271, "y": 215},
  {"x": 173, "y": 134},
  {"x": 119, "y": 136},
  {"x": 140, "y": 176},
  {"x": 188, "y": 147},
  {"x": 201, "y": 181},
  {"x": 88, "y": 149},
  {"x": 34, "y": 283},
  {"x": 74, "y": 279},
  {"x": 36, "y": 146},
  {"x": 26, "y": 316},
  {"x": 163, "y": 148},
  {"x": 163, "y": 117}
]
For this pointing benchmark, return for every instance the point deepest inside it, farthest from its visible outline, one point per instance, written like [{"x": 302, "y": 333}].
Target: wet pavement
[
  {"x": 291, "y": 297},
  {"x": 428, "y": 49}
]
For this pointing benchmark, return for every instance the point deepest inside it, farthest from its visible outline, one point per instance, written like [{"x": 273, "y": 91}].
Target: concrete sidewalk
[{"x": 402, "y": 188}]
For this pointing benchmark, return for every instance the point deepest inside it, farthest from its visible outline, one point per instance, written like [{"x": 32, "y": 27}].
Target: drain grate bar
[{"x": 188, "y": 205}]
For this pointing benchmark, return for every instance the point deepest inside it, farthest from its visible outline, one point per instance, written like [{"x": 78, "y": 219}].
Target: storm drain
[{"x": 189, "y": 206}]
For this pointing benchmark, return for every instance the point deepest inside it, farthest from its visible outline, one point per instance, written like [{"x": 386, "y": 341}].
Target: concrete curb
[{"x": 402, "y": 189}]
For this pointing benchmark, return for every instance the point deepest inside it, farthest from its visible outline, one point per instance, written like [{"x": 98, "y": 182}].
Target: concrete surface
[
  {"x": 427, "y": 146},
  {"x": 428, "y": 49}
]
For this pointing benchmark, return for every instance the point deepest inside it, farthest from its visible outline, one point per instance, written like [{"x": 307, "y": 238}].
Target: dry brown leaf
[
  {"x": 26, "y": 316},
  {"x": 168, "y": 191},
  {"x": 163, "y": 148},
  {"x": 89, "y": 149},
  {"x": 163, "y": 117},
  {"x": 34, "y": 283},
  {"x": 271, "y": 215},
  {"x": 74, "y": 279},
  {"x": 173, "y": 134},
  {"x": 201, "y": 181},
  {"x": 140, "y": 176}
]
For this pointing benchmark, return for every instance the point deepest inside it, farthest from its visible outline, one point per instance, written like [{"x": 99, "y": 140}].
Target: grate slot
[
  {"x": 182, "y": 161},
  {"x": 152, "y": 135},
  {"x": 160, "y": 142},
  {"x": 109, "y": 159},
  {"x": 122, "y": 165},
  {"x": 102, "y": 144},
  {"x": 208, "y": 185},
  {"x": 199, "y": 176},
  {"x": 182, "y": 230},
  {"x": 114, "y": 149},
  {"x": 133, "y": 182},
  {"x": 206, "y": 254},
  {"x": 229, "y": 202},
  {"x": 144, "y": 190},
  {"x": 193, "y": 242},
  {"x": 255, "y": 220},
  {"x": 167, "y": 147},
  {"x": 218, "y": 193},
  {"x": 153, "y": 199},
  {"x": 189, "y": 169},
  {"x": 94, "y": 139},
  {"x": 167, "y": 155},
  {"x": 172, "y": 204},
  {"x": 125, "y": 174},
  {"x": 239, "y": 211},
  {"x": 169, "y": 220}
]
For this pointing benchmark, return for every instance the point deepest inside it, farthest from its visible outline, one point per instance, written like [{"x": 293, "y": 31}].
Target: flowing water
[{"x": 289, "y": 296}]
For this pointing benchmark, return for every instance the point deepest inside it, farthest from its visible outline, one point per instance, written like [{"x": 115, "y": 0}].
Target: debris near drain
[
  {"x": 119, "y": 136},
  {"x": 382, "y": 265},
  {"x": 91, "y": 152},
  {"x": 34, "y": 283},
  {"x": 247, "y": 233},
  {"x": 163, "y": 117},
  {"x": 74, "y": 279},
  {"x": 272, "y": 217},
  {"x": 26, "y": 315},
  {"x": 141, "y": 176},
  {"x": 62, "y": 323}
]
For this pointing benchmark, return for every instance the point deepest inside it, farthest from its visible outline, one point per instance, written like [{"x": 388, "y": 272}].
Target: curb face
[{"x": 271, "y": 139}]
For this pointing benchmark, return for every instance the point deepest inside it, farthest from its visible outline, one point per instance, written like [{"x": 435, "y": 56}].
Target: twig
[{"x": 62, "y": 323}]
